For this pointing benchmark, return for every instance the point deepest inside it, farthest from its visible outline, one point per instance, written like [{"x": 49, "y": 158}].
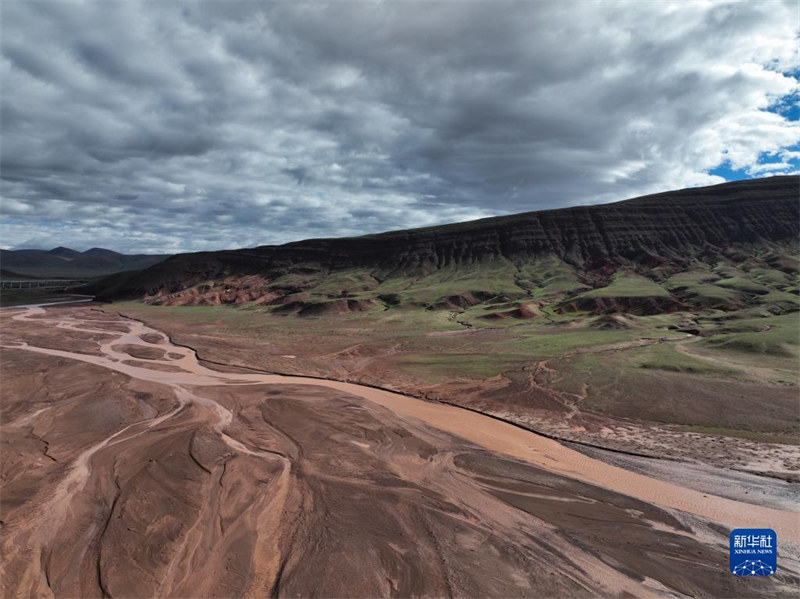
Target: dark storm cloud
[{"x": 180, "y": 126}]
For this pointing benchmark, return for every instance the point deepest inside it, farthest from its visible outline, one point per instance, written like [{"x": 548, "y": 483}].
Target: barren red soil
[{"x": 130, "y": 470}]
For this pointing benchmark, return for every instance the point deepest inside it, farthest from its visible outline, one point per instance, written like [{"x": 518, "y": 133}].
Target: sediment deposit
[{"x": 131, "y": 470}]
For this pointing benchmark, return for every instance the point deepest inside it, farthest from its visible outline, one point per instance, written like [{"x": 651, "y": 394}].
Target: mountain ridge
[
  {"x": 64, "y": 262},
  {"x": 664, "y": 231}
]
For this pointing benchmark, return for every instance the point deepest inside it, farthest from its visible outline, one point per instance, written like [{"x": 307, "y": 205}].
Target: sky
[{"x": 171, "y": 126}]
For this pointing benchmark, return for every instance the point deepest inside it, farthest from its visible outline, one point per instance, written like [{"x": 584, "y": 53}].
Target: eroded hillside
[{"x": 714, "y": 247}]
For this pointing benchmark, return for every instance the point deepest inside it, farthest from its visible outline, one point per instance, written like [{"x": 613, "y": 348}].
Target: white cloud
[{"x": 171, "y": 126}]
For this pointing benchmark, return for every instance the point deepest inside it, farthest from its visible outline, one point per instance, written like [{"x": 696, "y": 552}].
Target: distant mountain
[
  {"x": 62, "y": 262},
  {"x": 7, "y": 275},
  {"x": 65, "y": 253},
  {"x": 101, "y": 253},
  {"x": 602, "y": 258}
]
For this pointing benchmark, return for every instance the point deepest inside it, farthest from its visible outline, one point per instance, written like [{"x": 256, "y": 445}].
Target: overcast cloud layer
[{"x": 174, "y": 126}]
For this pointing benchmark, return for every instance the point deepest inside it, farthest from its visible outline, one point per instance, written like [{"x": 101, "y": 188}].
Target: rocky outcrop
[{"x": 521, "y": 311}]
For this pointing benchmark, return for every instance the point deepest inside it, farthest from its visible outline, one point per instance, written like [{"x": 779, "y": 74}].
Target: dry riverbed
[{"x": 130, "y": 469}]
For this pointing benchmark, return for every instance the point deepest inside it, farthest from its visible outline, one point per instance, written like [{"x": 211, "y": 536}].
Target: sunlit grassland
[
  {"x": 547, "y": 277},
  {"x": 628, "y": 285},
  {"x": 539, "y": 338},
  {"x": 699, "y": 284},
  {"x": 775, "y": 335},
  {"x": 541, "y": 343},
  {"x": 444, "y": 367},
  {"x": 759, "y": 436},
  {"x": 742, "y": 284},
  {"x": 666, "y": 357},
  {"x": 493, "y": 278}
]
